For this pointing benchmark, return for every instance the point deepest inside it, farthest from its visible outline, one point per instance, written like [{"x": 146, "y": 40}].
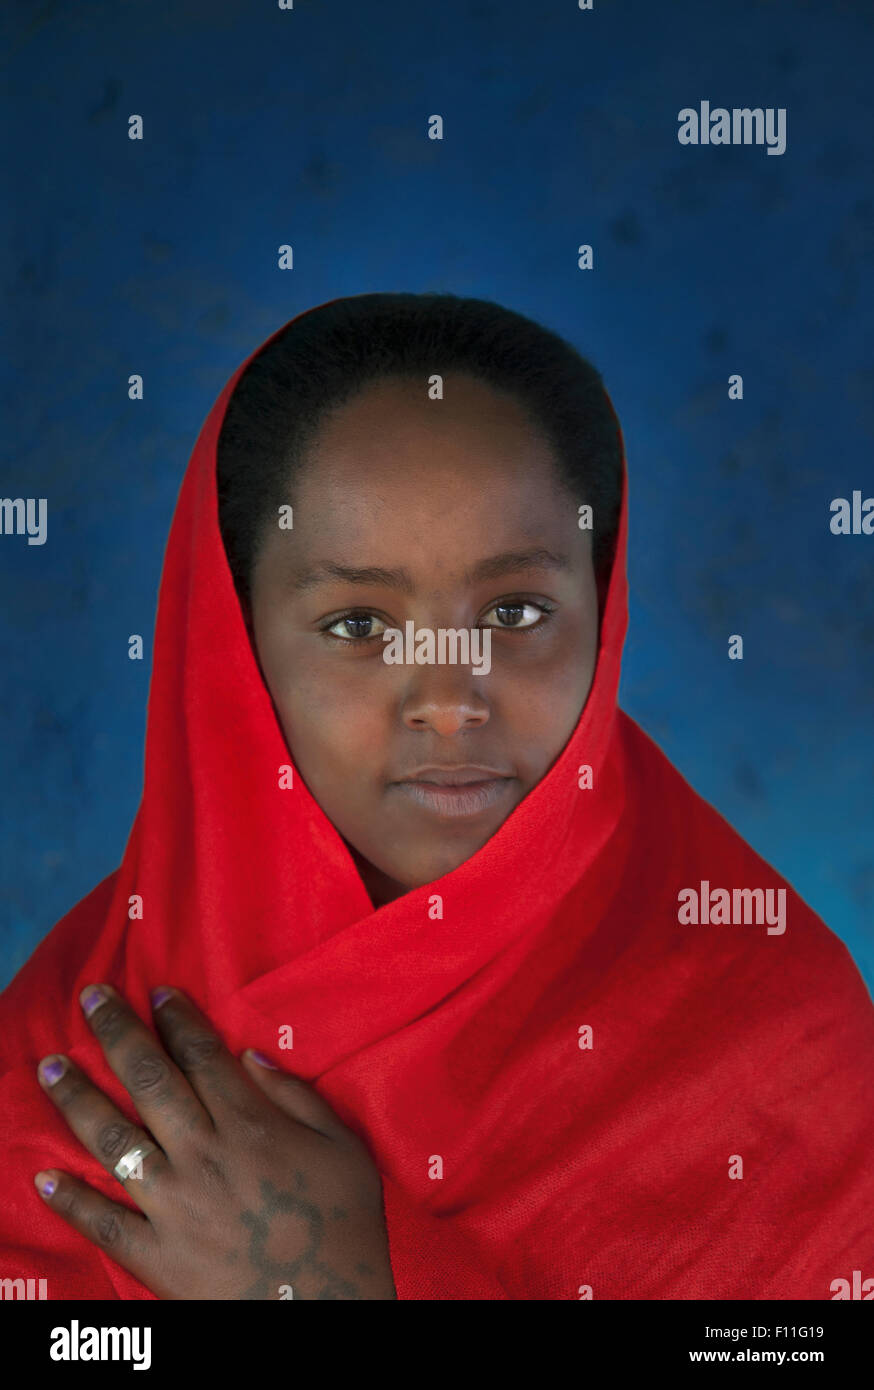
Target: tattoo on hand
[{"x": 272, "y": 1273}]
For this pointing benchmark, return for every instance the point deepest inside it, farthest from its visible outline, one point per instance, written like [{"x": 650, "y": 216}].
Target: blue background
[{"x": 309, "y": 126}]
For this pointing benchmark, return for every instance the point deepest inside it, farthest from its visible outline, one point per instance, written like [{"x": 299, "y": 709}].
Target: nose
[{"x": 444, "y": 698}]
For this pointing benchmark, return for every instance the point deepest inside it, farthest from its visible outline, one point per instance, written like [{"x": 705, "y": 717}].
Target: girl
[{"x": 532, "y": 1021}]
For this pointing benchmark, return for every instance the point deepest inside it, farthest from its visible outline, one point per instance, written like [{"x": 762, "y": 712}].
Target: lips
[
  {"x": 454, "y": 776},
  {"x": 450, "y": 792}
]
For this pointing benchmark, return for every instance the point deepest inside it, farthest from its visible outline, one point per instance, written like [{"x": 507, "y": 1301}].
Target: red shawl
[{"x": 575, "y": 1163}]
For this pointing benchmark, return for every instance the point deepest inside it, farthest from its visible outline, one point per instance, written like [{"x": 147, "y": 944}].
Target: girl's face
[{"x": 446, "y": 514}]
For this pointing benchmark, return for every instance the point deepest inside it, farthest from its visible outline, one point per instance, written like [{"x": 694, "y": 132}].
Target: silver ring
[{"x": 132, "y": 1159}]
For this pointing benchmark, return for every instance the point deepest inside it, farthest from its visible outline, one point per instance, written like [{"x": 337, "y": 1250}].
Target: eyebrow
[{"x": 492, "y": 567}]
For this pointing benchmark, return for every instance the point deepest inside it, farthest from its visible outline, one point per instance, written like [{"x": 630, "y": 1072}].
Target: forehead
[
  {"x": 395, "y": 447},
  {"x": 404, "y": 405},
  {"x": 398, "y": 481}
]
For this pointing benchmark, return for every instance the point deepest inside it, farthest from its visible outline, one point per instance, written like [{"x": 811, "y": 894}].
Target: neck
[{"x": 380, "y": 888}]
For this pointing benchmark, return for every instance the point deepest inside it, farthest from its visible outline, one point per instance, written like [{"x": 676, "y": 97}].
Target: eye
[
  {"x": 514, "y": 609},
  {"x": 516, "y": 615},
  {"x": 358, "y": 627}
]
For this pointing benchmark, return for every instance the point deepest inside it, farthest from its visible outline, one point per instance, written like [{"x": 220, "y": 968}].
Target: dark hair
[{"x": 328, "y": 354}]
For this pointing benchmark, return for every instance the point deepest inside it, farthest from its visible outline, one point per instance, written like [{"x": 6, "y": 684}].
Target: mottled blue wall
[{"x": 264, "y": 127}]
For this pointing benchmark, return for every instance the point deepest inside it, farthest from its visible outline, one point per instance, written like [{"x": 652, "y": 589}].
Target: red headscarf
[{"x": 572, "y": 1161}]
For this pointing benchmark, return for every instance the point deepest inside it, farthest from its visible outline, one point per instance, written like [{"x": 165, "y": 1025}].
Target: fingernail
[
  {"x": 160, "y": 996},
  {"x": 262, "y": 1060},
  {"x": 51, "y": 1069},
  {"x": 91, "y": 998},
  {"x": 44, "y": 1184}
]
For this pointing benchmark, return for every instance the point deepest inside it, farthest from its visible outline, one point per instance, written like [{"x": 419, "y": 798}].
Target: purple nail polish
[
  {"x": 263, "y": 1061},
  {"x": 91, "y": 1000},
  {"x": 52, "y": 1071},
  {"x": 46, "y": 1186},
  {"x": 160, "y": 996}
]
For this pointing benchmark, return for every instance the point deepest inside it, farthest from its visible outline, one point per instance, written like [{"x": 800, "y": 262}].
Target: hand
[{"x": 255, "y": 1184}]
